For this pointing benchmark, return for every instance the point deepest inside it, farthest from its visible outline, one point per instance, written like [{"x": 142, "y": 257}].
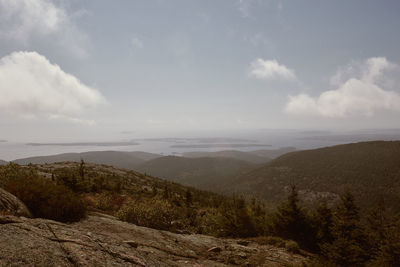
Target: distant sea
[
  {"x": 177, "y": 146},
  {"x": 11, "y": 151}
]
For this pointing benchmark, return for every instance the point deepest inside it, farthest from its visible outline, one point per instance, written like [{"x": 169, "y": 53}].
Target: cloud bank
[
  {"x": 31, "y": 86},
  {"x": 22, "y": 21},
  {"x": 270, "y": 70},
  {"x": 357, "y": 94},
  {"x": 22, "y": 18}
]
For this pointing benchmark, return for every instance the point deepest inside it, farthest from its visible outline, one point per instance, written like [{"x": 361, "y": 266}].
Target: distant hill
[
  {"x": 198, "y": 172},
  {"x": 272, "y": 153},
  {"x": 126, "y": 160},
  {"x": 257, "y": 156},
  {"x": 368, "y": 169},
  {"x": 234, "y": 154},
  {"x": 2, "y": 162}
]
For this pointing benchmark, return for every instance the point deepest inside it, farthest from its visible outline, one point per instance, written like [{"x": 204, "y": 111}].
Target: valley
[{"x": 269, "y": 198}]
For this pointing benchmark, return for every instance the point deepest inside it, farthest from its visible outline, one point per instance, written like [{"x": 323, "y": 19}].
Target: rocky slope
[
  {"x": 102, "y": 240},
  {"x": 11, "y": 205}
]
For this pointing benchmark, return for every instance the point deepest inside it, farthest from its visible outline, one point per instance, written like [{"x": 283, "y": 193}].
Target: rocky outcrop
[
  {"x": 11, "y": 205},
  {"x": 102, "y": 240}
]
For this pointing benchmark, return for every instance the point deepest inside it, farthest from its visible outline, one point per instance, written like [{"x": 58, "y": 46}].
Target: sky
[{"x": 111, "y": 70}]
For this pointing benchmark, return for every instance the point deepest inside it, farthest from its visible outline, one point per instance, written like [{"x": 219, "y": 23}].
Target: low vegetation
[
  {"x": 44, "y": 198},
  {"x": 340, "y": 235},
  {"x": 51, "y": 190}
]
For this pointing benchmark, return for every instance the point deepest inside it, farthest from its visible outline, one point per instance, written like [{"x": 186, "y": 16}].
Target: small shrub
[
  {"x": 292, "y": 246},
  {"x": 207, "y": 222},
  {"x": 47, "y": 200},
  {"x": 13, "y": 171},
  {"x": 156, "y": 214},
  {"x": 270, "y": 240},
  {"x": 110, "y": 202},
  {"x": 236, "y": 220}
]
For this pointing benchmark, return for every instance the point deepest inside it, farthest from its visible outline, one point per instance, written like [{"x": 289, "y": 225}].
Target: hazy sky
[{"x": 100, "y": 69}]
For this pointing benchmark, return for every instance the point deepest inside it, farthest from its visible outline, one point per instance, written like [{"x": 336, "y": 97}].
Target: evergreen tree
[
  {"x": 166, "y": 192},
  {"x": 236, "y": 220},
  {"x": 189, "y": 198},
  {"x": 82, "y": 170},
  {"x": 291, "y": 222},
  {"x": 348, "y": 246},
  {"x": 389, "y": 251},
  {"x": 323, "y": 221},
  {"x": 383, "y": 237},
  {"x": 257, "y": 213},
  {"x": 376, "y": 226}
]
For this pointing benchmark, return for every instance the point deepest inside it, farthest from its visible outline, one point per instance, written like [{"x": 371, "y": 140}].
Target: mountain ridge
[
  {"x": 255, "y": 156},
  {"x": 369, "y": 169}
]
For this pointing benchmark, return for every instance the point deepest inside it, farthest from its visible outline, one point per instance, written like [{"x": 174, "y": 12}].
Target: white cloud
[
  {"x": 22, "y": 21},
  {"x": 22, "y": 18},
  {"x": 31, "y": 86},
  {"x": 361, "y": 94},
  {"x": 374, "y": 68},
  {"x": 270, "y": 70}
]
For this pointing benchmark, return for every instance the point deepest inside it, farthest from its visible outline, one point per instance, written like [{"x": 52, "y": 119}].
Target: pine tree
[
  {"x": 188, "y": 198},
  {"x": 376, "y": 225},
  {"x": 383, "y": 237},
  {"x": 166, "y": 194},
  {"x": 323, "y": 221},
  {"x": 291, "y": 222},
  {"x": 82, "y": 170},
  {"x": 389, "y": 251},
  {"x": 348, "y": 246},
  {"x": 245, "y": 225},
  {"x": 236, "y": 220}
]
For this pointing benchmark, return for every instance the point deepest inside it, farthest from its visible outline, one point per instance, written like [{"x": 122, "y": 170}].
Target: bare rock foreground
[{"x": 102, "y": 240}]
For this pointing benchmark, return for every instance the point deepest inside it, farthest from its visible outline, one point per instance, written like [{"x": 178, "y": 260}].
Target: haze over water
[{"x": 242, "y": 141}]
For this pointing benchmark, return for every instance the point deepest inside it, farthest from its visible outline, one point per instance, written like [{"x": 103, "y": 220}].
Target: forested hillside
[
  {"x": 256, "y": 156},
  {"x": 204, "y": 173},
  {"x": 369, "y": 169},
  {"x": 234, "y": 154}
]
